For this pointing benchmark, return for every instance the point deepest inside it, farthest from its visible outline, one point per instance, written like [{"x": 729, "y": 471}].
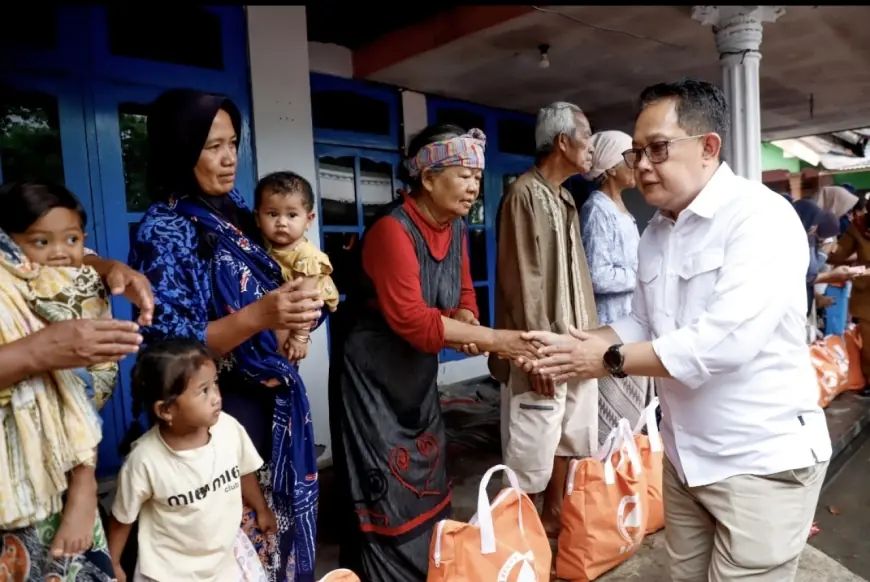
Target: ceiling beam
[
  {"x": 815, "y": 128},
  {"x": 408, "y": 42}
]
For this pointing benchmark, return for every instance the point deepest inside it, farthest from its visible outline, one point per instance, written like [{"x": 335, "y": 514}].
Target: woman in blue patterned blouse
[
  {"x": 200, "y": 247},
  {"x": 610, "y": 238}
]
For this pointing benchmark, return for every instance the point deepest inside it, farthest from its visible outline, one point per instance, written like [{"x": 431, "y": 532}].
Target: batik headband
[{"x": 465, "y": 150}]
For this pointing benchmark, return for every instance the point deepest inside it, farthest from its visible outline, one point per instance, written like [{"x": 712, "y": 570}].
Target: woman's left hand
[
  {"x": 574, "y": 355},
  {"x": 466, "y": 316},
  {"x": 123, "y": 280},
  {"x": 266, "y": 522}
]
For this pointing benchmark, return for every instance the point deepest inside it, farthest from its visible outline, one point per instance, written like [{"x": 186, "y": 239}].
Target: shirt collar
[
  {"x": 714, "y": 194},
  {"x": 711, "y": 198},
  {"x": 559, "y": 191}
]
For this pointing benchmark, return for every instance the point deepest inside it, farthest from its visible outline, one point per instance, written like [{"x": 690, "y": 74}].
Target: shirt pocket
[
  {"x": 698, "y": 274},
  {"x": 649, "y": 286}
]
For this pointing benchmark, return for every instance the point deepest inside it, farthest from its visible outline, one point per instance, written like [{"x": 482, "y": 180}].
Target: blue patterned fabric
[
  {"x": 610, "y": 239},
  {"x": 190, "y": 292}
]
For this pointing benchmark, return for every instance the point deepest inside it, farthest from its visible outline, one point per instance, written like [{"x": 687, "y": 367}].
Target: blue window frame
[
  {"x": 354, "y": 113},
  {"x": 229, "y": 48},
  {"x": 509, "y": 153},
  {"x": 356, "y": 134},
  {"x": 88, "y": 100},
  {"x": 64, "y": 52}
]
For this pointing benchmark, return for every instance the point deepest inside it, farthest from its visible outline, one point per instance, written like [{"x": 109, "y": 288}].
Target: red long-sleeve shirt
[{"x": 390, "y": 260}]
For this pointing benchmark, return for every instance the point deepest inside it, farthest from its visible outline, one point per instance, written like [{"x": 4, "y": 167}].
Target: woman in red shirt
[{"x": 414, "y": 298}]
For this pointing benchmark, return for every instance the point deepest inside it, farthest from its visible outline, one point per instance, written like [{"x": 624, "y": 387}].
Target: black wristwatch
[{"x": 614, "y": 360}]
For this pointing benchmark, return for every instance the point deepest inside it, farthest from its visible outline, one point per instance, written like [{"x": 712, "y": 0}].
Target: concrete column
[
  {"x": 284, "y": 140},
  {"x": 738, "y": 31}
]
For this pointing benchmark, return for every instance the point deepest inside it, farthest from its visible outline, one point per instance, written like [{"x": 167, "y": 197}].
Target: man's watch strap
[{"x": 614, "y": 361}]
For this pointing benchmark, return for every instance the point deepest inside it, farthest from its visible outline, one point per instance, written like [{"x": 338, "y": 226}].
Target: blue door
[
  {"x": 43, "y": 135},
  {"x": 73, "y": 109}
]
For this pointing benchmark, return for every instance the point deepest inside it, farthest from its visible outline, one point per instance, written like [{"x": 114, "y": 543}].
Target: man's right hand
[
  {"x": 64, "y": 345},
  {"x": 288, "y": 307},
  {"x": 543, "y": 385}
]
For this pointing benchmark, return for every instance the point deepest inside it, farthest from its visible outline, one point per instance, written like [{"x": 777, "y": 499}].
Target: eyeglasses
[{"x": 657, "y": 152}]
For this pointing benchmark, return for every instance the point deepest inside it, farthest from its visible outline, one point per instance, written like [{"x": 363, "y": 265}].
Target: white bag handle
[
  {"x": 648, "y": 419},
  {"x": 606, "y": 447},
  {"x": 484, "y": 511},
  {"x": 601, "y": 455},
  {"x": 623, "y": 442}
]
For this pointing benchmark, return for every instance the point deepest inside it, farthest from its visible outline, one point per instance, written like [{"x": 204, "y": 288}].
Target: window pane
[
  {"x": 184, "y": 35},
  {"x": 134, "y": 151},
  {"x": 342, "y": 249},
  {"x": 516, "y": 137},
  {"x": 30, "y": 147},
  {"x": 482, "y": 294},
  {"x": 475, "y": 215},
  {"x": 134, "y": 228},
  {"x": 349, "y": 111},
  {"x": 464, "y": 119},
  {"x": 376, "y": 187},
  {"x": 477, "y": 250},
  {"x": 337, "y": 195},
  {"x": 28, "y": 24}
]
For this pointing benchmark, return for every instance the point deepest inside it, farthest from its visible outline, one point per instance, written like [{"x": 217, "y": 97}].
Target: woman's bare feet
[{"x": 76, "y": 532}]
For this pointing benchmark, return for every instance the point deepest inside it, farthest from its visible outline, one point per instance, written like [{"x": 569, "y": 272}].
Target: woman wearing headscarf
[
  {"x": 413, "y": 298},
  {"x": 856, "y": 241},
  {"x": 45, "y": 429},
  {"x": 840, "y": 202},
  {"x": 819, "y": 225},
  {"x": 610, "y": 237},
  {"x": 199, "y": 246}
]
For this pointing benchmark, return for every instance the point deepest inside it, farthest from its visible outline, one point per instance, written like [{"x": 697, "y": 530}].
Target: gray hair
[{"x": 553, "y": 120}]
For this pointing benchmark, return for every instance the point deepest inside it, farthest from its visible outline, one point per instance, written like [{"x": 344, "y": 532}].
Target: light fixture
[{"x": 544, "y": 63}]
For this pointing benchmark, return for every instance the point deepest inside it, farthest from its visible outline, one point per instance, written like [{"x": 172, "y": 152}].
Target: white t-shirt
[{"x": 189, "y": 503}]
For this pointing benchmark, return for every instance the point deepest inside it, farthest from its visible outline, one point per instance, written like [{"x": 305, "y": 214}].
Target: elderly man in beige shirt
[{"x": 543, "y": 283}]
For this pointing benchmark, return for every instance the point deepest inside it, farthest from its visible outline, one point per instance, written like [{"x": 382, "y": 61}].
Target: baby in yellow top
[{"x": 284, "y": 208}]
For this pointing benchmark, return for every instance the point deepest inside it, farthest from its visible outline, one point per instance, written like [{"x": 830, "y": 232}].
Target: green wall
[
  {"x": 772, "y": 159},
  {"x": 860, "y": 180}
]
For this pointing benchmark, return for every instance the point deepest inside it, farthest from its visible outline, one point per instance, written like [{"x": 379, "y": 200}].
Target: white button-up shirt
[{"x": 721, "y": 292}]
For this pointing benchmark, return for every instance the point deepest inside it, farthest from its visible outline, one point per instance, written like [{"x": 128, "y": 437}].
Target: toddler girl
[
  {"x": 47, "y": 222},
  {"x": 284, "y": 209},
  {"x": 186, "y": 478}
]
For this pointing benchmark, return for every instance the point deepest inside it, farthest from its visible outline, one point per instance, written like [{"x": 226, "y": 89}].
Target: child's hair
[
  {"x": 284, "y": 183},
  {"x": 25, "y": 202},
  {"x": 163, "y": 370}
]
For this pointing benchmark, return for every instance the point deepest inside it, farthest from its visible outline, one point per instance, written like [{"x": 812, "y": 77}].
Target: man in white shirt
[{"x": 718, "y": 318}]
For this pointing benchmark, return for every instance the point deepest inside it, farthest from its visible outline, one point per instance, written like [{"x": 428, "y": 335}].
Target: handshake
[{"x": 550, "y": 358}]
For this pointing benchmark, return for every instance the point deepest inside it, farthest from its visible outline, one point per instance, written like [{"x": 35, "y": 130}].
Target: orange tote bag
[
  {"x": 505, "y": 541},
  {"x": 651, "y": 451},
  {"x": 604, "y": 513},
  {"x": 831, "y": 371},
  {"x": 341, "y": 575}
]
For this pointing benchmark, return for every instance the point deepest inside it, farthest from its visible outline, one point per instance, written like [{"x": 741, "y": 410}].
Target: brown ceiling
[
  {"x": 602, "y": 57},
  {"x": 352, "y": 24}
]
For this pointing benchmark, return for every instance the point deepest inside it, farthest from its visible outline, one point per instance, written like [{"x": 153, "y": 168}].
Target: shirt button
[{"x": 671, "y": 274}]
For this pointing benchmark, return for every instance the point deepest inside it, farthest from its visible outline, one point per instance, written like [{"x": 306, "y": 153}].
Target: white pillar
[
  {"x": 284, "y": 140},
  {"x": 738, "y": 31}
]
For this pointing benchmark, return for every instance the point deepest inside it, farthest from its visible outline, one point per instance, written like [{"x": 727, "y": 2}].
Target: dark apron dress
[{"x": 387, "y": 429}]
